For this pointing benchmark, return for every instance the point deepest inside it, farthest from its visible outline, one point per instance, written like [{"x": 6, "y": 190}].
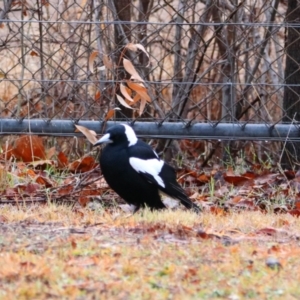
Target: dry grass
[{"x": 53, "y": 251}]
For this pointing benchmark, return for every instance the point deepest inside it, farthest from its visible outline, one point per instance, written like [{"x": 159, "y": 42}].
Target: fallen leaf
[
  {"x": 267, "y": 231},
  {"x": 51, "y": 152},
  {"x": 236, "y": 180},
  {"x": 62, "y": 160},
  {"x": 28, "y": 148},
  {"x": 83, "y": 200},
  {"x": 65, "y": 190},
  {"x": 82, "y": 165},
  {"x": 42, "y": 164}
]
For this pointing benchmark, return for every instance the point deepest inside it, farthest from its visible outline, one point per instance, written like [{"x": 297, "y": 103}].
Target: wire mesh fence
[{"x": 160, "y": 61}]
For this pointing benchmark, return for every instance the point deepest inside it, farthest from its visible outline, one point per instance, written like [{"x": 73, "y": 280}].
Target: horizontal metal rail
[{"x": 168, "y": 130}]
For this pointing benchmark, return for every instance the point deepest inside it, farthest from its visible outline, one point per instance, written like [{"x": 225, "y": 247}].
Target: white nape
[
  {"x": 131, "y": 137},
  {"x": 150, "y": 166}
]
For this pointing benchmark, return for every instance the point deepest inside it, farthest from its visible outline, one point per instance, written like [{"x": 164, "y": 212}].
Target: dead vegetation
[
  {"x": 50, "y": 251},
  {"x": 63, "y": 234}
]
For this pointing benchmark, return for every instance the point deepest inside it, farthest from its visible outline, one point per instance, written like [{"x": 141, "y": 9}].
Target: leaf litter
[{"x": 60, "y": 224}]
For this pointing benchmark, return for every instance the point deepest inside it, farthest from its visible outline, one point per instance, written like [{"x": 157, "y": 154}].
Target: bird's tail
[{"x": 185, "y": 200}]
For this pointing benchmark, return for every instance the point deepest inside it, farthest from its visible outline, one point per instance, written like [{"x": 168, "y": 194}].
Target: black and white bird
[{"x": 136, "y": 173}]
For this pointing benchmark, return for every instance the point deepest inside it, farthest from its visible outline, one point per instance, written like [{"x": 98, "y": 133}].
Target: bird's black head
[{"x": 119, "y": 134}]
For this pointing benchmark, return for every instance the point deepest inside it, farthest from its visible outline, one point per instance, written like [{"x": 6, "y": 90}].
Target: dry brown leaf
[
  {"x": 43, "y": 180},
  {"x": 42, "y": 164},
  {"x": 110, "y": 114},
  {"x": 108, "y": 63},
  {"x": 83, "y": 200},
  {"x": 125, "y": 92},
  {"x": 62, "y": 160},
  {"x": 136, "y": 47},
  {"x": 89, "y": 134},
  {"x": 136, "y": 98},
  {"x": 131, "y": 70},
  {"x": 27, "y": 148},
  {"x": 140, "y": 89},
  {"x": 122, "y": 101},
  {"x": 51, "y": 152},
  {"x": 142, "y": 106},
  {"x": 92, "y": 58},
  {"x": 97, "y": 96},
  {"x": 33, "y": 53},
  {"x": 82, "y": 165},
  {"x": 65, "y": 190},
  {"x": 236, "y": 180}
]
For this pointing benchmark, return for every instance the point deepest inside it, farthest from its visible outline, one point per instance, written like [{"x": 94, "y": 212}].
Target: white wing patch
[
  {"x": 131, "y": 137},
  {"x": 150, "y": 166}
]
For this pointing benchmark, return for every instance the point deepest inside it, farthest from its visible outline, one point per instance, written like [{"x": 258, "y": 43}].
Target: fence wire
[{"x": 183, "y": 61}]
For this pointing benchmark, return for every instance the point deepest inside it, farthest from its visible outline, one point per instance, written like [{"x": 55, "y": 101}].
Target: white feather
[
  {"x": 151, "y": 166},
  {"x": 131, "y": 137}
]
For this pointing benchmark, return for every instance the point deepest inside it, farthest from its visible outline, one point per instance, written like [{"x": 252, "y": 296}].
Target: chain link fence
[{"x": 158, "y": 61}]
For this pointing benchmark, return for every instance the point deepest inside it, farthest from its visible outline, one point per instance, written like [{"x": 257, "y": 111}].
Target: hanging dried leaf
[
  {"x": 89, "y": 134},
  {"x": 111, "y": 113},
  {"x": 142, "y": 106},
  {"x": 97, "y": 96},
  {"x": 140, "y": 89},
  {"x": 92, "y": 58},
  {"x": 125, "y": 92},
  {"x": 131, "y": 70},
  {"x": 33, "y": 53},
  {"x": 122, "y": 101},
  {"x": 108, "y": 63},
  {"x": 136, "y": 47},
  {"x": 136, "y": 98}
]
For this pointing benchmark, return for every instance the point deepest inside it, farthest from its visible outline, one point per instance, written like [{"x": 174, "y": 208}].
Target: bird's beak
[{"x": 104, "y": 140}]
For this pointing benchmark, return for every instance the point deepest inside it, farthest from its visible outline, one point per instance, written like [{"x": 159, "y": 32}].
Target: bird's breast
[{"x": 114, "y": 161}]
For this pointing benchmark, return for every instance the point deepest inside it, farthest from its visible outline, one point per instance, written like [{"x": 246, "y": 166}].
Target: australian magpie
[{"x": 135, "y": 172}]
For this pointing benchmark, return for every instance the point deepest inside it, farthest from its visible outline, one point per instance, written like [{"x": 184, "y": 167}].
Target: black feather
[{"x": 134, "y": 183}]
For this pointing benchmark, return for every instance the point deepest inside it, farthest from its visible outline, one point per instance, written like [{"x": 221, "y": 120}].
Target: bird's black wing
[{"x": 147, "y": 163}]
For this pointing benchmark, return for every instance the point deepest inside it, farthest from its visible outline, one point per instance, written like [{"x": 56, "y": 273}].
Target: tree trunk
[
  {"x": 122, "y": 37},
  {"x": 291, "y": 99}
]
